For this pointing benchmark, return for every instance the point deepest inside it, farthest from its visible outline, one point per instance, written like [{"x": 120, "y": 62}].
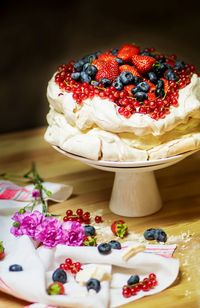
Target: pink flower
[
  {"x": 73, "y": 233},
  {"x": 49, "y": 232},
  {"x": 26, "y": 223},
  {"x": 36, "y": 194}
]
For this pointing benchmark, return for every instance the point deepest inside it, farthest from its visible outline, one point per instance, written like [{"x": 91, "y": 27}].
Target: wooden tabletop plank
[{"x": 179, "y": 187}]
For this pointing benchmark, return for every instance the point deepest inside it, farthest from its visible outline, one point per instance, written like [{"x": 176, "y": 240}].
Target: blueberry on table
[
  {"x": 89, "y": 230},
  {"x": 149, "y": 234},
  {"x": 59, "y": 275},
  {"x": 78, "y": 65},
  {"x": 160, "y": 235},
  {"x": 118, "y": 85},
  {"x": 104, "y": 248},
  {"x": 91, "y": 70},
  {"x": 105, "y": 82},
  {"x": 115, "y": 244},
  {"x": 170, "y": 75},
  {"x": 133, "y": 279},
  {"x": 15, "y": 268},
  {"x": 152, "y": 77},
  {"x": 93, "y": 284},
  {"x": 85, "y": 77}
]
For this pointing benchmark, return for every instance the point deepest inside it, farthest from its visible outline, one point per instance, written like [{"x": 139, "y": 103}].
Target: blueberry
[
  {"x": 85, "y": 77},
  {"x": 140, "y": 96},
  {"x": 104, "y": 248},
  {"x": 15, "y": 268},
  {"x": 89, "y": 230},
  {"x": 119, "y": 61},
  {"x": 160, "y": 84},
  {"x": 160, "y": 92},
  {"x": 161, "y": 59},
  {"x": 115, "y": 244},
  {"x": 91, "y": 70},
  {"x": 106, "y": 82},
  {"x": 147, "y": 53},
  {"x": 114, "y": 51},
  {"x": 133, "y": 279},
  {"x": 78, "y": 65},
  {"x": 143, "y": 86},
  {"x": 179, "y": 65},
  {"x": 59, "y": 275},
  {"x": 160, "y": 235},
  {"x": 152, "y": 77},
  {"x": 159, "y": 69},
  {"x": 93, "y": 284},
  {"x": 149, "y": 234},
  {"x": 118, "y": 85},
  {"x": 76, "y": 75},
  {"x": 170, "y": 75},
  {"x": 85, "y": 66},
  {"x": 136, "y": 80},
  {"x": 126, "y": 77},
  {"x": 89, "y": 58},
  {"x": 134, "y": 90}
]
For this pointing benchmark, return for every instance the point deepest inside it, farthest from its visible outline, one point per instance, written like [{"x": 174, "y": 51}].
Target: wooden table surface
[{"x": 180, "y": 190}]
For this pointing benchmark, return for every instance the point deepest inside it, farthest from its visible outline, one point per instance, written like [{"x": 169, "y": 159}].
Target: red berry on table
[
  {"x": 119, "y": 228},
  {"x": 55, "y": 288},
  {"x": 78, "y": 266},
  {"x": 126, "y": 292},
  {"x": 154, "y": 282},
  {"x": 79, "y": 212},
  {"x": 133, "y": 290},
  {"x": 62, "y": 266},
  {"x": 145, "y": 287},
  {"x": 68, "y": 261},
  {"x": 69, "y": 212},
  {"x": 152, "y": 276},
  {"x": 98, "y": 219},
  {"x": 2, "y": 251},
  {"x": 65, "y": 218},
  {"x": 127, "y": 51},
  {"x": 143, "y": 63}
]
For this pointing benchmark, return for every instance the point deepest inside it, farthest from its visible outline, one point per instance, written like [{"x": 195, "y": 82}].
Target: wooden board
[{"x": 180, "y": 190}]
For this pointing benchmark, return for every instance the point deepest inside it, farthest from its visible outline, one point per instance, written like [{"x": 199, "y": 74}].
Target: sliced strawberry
[
  {"x": 129, "y": 68},
  {"x": 106, "y": 56},
  {"x": 2, "y": 253},
  {"x": 119, "y": 228},
  {"x": 127, "y": 51},
  {"x": 98, "y": 63},
  {"x": 129, "y": 88},
  {"x": 55, "y": 288},
  {"x": 110, "y": 70},
  {"x": 143, "y": 63}
]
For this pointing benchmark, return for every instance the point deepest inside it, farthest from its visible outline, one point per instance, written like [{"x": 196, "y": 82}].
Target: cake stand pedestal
[{"x": 135, "y": 192}]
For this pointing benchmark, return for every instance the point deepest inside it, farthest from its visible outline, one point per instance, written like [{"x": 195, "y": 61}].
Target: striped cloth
[
  {"x": 162, "y": 250},
  {"x": 10, "y": 191}
]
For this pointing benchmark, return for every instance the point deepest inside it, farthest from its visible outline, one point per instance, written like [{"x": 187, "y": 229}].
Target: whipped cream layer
[
  {"x": 96, "y": 130},
  {"x": 103, "y": 113}
]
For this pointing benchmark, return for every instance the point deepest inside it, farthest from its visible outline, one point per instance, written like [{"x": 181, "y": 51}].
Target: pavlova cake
[{"x": 126, "y": 104}]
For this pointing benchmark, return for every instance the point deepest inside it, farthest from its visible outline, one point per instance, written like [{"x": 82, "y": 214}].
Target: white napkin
[{"x": 39, "y": 264}]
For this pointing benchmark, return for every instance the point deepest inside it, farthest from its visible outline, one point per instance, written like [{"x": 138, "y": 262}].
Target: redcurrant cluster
[
  {"x": 69, "y": 265},
  {"x": 145, "y": 285},
  {"x": 81, "y": 217}
]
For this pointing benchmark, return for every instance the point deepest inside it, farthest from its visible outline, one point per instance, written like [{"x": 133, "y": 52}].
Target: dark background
[{"x": 37, "y": 36}]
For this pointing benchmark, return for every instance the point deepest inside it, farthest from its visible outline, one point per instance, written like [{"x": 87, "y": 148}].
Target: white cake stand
[{"x": 135, "y": 192}]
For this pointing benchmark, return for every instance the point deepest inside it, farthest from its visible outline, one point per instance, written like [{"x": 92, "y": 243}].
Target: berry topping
[
  {"x": 89, "y": 230},
  {"x": 98, "y": 219},
  {"x": 59, "y": 275},
  {"x": 143, "y": 63},
  {"x": 119, "y": 228},
  {"x": 145, "y": 82},
  {"x": 104, "y": 248},
  {"x": 93, "y": 284},
  {"x": 90, "y": 241},
  {"x": 127, "y": 51},
  {"x": 55, "y": 288},
  {"x": 15, "y": 268},
  {"x": 115, "y": 244},
  {"x": 149, "y": 234},
  {"x": 133, "y": 279}
]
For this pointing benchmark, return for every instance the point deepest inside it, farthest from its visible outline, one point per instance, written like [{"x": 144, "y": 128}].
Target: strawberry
[
  {"x": 119, "y": 228},
  {"x": 108, "y": 69},
  {"x": 55, "y": 288},
  {"x": 2, "y": 253},
  {"x": 127, "y": 51},
  {"x": 129, "y": 68},
  {"x": 129, "y": 88},
  {"x": 106, "y": 56},
  {"x": 143, "y": 63}
]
